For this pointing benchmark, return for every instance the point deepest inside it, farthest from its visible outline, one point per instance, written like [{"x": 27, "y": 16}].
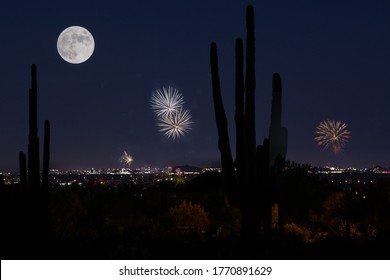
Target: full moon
[{"x": 75, "y": 44}]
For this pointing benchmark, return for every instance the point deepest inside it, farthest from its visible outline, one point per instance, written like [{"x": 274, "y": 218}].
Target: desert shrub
[
  {"x": 297, "y": 233},
  {"x": 187, "y": 219}
]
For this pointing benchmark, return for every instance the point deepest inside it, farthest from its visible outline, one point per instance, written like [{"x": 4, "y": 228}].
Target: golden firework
[{"x": 332, "y": 134}]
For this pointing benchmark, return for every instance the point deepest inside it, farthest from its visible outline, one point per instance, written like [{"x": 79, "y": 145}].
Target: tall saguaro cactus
[
  {"x": 250, "y": 86},
  {"x": 277, "y": 133},
  {"x": 278, "y": 145},
  {"x": 30, "y": 175},
  {"x": 29, "y": 206},
  {"x": 247, "y": 179},
  {"x": 241, "y": 189},
  {"x": 22, "y": 169},
  {"x": 220, "y": 117},
  {"x": 33, "y": 140},
  {"x": 46, "y": 155}
]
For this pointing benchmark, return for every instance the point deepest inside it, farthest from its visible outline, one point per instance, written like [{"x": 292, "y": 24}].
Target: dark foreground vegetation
[{"x": 194, "y": 221}]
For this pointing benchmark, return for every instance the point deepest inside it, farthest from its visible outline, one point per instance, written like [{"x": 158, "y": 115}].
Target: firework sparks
[
  {"x": 175, "y": 124},
  {"x": 126, "y": 158},
  {"x": 166, "y": 101},
  {"x": 332, "y": 134},
  {"x": 172, "y": 119}
]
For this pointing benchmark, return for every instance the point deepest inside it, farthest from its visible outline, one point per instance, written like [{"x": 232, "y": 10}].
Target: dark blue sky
[{"x": 333, "y": 57}]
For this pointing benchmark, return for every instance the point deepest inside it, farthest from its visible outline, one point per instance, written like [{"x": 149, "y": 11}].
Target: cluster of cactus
[
  {"x": 29, "y": 168},
  {"x": 249, "y": 179}
]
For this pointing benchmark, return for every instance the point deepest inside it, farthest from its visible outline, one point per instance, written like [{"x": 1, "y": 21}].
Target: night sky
[{"x": 333, "y": 58}]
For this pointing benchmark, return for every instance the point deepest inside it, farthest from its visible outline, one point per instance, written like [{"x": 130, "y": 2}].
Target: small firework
[
  {"x": 126, "y": 158},
  {"x": 176, "y": 124},
  {"x": 332, "y": 134},
  {"x": 166, "y": 101}
]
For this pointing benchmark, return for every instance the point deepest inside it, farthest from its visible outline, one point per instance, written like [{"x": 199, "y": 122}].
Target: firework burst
[
  {"x": 173, "y": 121},
  {"x": 126, "y": 158},
  {"x": 166, "y": 101},
  {"x": 176, "y": 124},
  {"x": 332, "y": 134}
]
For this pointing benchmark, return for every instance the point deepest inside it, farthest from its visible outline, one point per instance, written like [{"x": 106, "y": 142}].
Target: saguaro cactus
[
  {"x": 241, "y": 189},
  {"x": 33, "y": 140},
  {"x": 240, "y": 113},
  {"x": 247, "y": 180},
  {"x": 223, "y": 134},
  {"x": 250, "y": 86},
  {"x": 46, "y": 155},
  {"x": 278, "y": 145},
  {"x": 30, "y": 176},
  {"x": 22, "y": 169},
  {"x": 277, "y": 133}
]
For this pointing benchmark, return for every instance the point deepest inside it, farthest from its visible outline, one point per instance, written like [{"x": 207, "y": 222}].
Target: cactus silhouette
[
  {"x": 30, "y": 176},
  {"x": 277, "y": 133},
  {"x": 241, "y": 189},
  {"x": 223, "y": 133},
  {"x": 248, "y": 178},
  {"x": 33, "y": 140},
  {"x": 240, "y": 112},
  {"x": 46, "y": 155},
  {"x": 29, "y": 204},
  {"x": 22, "y": 169},
  {"x": 278, "y": 145}
]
